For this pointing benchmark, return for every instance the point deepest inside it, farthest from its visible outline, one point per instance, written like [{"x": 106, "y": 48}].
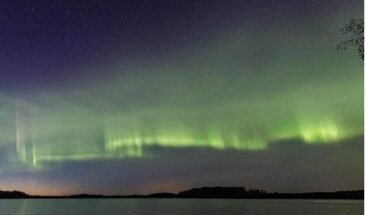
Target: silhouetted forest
[
  {"x": 212, "y": 192},
  {"x": 13, "y": 195},
  {"x": 242, "y": 192},
  {"x": 222, "y": 192}
]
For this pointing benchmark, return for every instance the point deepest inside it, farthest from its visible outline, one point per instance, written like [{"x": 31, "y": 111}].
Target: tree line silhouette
[{"x": 211, "y": 192}]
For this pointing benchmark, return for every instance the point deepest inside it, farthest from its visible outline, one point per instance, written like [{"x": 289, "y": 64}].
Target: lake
[{"x": 178, "y": 207}]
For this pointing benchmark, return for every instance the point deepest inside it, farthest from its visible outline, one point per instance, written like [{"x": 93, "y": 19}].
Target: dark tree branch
[{"x": 354, "y": 30}]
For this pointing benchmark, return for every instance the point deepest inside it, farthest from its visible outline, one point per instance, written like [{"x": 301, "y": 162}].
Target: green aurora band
[
  {"x": 248, "y": 125},
  {"x": 213, "y": 100}
]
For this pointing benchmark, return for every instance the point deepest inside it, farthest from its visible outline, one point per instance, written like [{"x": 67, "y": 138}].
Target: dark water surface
[{"x": 178, "y": 207}]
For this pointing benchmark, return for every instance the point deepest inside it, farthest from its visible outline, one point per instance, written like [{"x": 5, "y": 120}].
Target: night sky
[{"x": 122, "y": 97}]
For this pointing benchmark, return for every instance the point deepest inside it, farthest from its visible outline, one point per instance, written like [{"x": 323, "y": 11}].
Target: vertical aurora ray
[{"x": 24, "y": 139}]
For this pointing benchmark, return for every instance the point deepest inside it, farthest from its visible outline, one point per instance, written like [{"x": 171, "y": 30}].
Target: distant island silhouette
[{"x": 206, "y": 193}]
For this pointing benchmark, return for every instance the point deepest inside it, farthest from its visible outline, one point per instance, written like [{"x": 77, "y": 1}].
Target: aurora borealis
[{"x": 136, "y": 97}]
